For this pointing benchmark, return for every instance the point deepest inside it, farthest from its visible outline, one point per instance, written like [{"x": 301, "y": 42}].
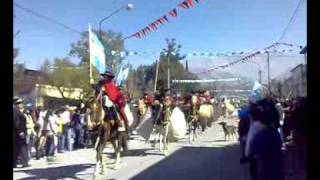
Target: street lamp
[{"x": 128, "y": 7}]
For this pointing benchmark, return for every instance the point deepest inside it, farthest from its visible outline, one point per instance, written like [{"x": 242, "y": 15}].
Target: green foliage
[
  {"x": 65, "y": 74},
  {"x": 15, "y": 53},
  {"x": 18, "y": 70},
  {"x": 142, "y": 79}
]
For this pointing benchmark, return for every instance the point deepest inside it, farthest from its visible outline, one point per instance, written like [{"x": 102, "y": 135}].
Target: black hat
[
  {"x": 17, "y": 101},
  {"x": 108, "y": 73}
]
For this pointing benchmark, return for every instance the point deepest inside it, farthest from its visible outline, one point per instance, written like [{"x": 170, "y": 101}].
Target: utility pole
[
  {"x": 268, "y": 62},
  {"x": 168, "y": 71},
  {"x": 260, "y": 74},
  {"x": 156, "y": 78}
]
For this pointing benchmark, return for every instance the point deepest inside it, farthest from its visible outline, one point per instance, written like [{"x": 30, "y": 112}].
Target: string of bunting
[
  {"x": 194, "y": 54},
  {"x": 246, "y": 58},
  {"x": 187, "y": 4}
]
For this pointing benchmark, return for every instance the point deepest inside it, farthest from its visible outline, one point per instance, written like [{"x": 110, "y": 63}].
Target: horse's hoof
[
  {"x": 117, "y": 166},
  {"x": 165, "y": 152}
]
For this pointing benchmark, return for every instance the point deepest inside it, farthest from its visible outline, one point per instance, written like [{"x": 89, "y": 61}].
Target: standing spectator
[
  {"x": 50, "y": 129},
  {"x": 266, "y": 146},
  {"x": 243, "y": 127},
  {"x": 40, "y": 136},
  {"x": 281, "y": 117},
  {"x": 30, "y": 132},
  {"x": 60, "y": 134},
  {"x": 255, "y": 127},
  {"x": 78, "y": 123},
  {"x": 66, "y": 117},
  {"x": 19, "y": 134}
]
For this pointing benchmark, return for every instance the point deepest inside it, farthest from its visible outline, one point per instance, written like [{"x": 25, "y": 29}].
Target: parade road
[{"x": 208, "y": 158}]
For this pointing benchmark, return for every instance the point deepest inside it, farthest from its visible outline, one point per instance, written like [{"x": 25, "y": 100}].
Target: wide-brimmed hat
[
  {"x": 17, "y": 100},
  {"x": 108, "y": 73}
]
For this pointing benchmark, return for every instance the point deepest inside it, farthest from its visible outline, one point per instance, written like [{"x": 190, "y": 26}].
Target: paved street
[{"x": 209, "y": 158}]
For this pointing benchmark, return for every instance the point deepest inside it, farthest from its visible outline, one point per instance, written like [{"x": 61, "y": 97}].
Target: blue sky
[{"x": 210, "y": 26}]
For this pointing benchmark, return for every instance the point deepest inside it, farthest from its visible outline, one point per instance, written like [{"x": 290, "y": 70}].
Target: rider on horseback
[{"x": 110, "y": 89}]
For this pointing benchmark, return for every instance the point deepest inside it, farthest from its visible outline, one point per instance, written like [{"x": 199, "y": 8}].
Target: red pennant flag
[
  {"x": 137, "y": 35},
  {"x": 184, "y": 5},
  {"x": 161, "y": 21},
  {"x": 165, "y": 18},
  {"x": 156, "y": 22},
  {"x": 144, "y": 32},
  {"x": 148, "y": 28},
  {"x": 153, "y": 26},
  {"x": 173, "y": 13},
  {"x": 189, "y": 3}
]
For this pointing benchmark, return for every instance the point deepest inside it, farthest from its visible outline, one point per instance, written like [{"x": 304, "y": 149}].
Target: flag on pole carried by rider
[
  {"x": 96, "y": 51},
  {"x": 122, "y": 75}
]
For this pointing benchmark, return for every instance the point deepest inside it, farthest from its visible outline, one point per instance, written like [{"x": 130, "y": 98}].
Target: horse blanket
[
  {"x": 146, "y": 125},
  {"x": 178, "y": 123}
]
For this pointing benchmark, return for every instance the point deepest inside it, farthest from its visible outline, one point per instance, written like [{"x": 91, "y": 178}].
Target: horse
[
  {"x": 193, "y": 119},
  {"x": 205, "y": 115},
  {"x": 107, "y": 130},
  {"x": 163, "y": 130}
]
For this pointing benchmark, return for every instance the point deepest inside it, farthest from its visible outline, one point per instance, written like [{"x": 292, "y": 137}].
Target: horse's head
[
  {"x": 194, "y": 100},
  {"x": 96, "y": 114},
  {"x": 168, "y": 101}
]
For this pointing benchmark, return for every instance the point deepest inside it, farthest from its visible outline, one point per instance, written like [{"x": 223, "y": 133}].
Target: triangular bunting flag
[
  {"x": 197, "y": 1},
  {"x": 189, "y": 3},
  {"x": 153, "y": 26},
  {"x": 173, "y": 13},
  {"x": 137, "y": 35},
  {"x": 184, "y": 5},
  {"x": 165, "y": 18},
  {"x": 161, "y": 21}
]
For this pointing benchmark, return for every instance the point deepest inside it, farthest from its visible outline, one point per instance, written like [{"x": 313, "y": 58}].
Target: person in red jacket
[{"x": 113, "y": 92}]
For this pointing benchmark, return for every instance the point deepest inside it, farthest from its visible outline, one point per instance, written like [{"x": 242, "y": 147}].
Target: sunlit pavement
[{"x": 208, "y": 158}]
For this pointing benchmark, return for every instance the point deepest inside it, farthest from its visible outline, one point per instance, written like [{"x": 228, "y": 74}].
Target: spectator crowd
[{"x": 40, "y": 132}]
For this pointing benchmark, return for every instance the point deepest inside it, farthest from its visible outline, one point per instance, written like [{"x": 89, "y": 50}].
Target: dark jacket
[
  {"x": 19, "y": 121},
  {"x": 266, "y": 145}
]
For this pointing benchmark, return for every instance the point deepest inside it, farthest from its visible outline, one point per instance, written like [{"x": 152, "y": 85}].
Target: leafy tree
[
  {"x": 65, "y": 74},
  {"x": 142, "y": 79},
  {"x": 15, "y": 53},
  {"x": 18, "y": 70}
]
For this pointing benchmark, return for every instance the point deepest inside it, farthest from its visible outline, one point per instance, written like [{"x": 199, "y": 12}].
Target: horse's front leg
[
  {"x": 99, "y": 164},
  {"x": 160, "y": 139},
  {"x": 117, "y": 149},
  {"x": 166, "y": 147}
]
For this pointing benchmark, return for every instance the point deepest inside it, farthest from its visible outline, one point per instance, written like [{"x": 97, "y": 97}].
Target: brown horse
[{"x": 105, "y": 129}]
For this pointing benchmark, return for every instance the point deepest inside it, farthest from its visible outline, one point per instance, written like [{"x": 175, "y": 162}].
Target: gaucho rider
[{"x": 110, "y": 89}]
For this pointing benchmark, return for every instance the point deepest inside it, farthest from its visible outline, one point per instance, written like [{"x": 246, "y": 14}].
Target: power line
[
  {"x": 292, "y": 19},
  {"x": 46, "y": 18}
]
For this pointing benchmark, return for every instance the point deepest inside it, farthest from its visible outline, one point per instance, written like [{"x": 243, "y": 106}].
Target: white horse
[{"x": 172, "y": 126}]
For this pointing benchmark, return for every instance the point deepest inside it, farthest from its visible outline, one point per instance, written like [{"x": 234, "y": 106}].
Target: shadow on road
[
  {"x": 198, "y": 163},
  {"x": 137, "y": 152},
  {"x": 56, "y": 172}
]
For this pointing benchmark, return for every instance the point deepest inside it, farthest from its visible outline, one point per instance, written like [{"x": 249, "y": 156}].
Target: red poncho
[{"x": 114, "y": 94}]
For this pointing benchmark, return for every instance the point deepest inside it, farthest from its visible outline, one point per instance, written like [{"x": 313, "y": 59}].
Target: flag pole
[{"x": 90, "y": 59}]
